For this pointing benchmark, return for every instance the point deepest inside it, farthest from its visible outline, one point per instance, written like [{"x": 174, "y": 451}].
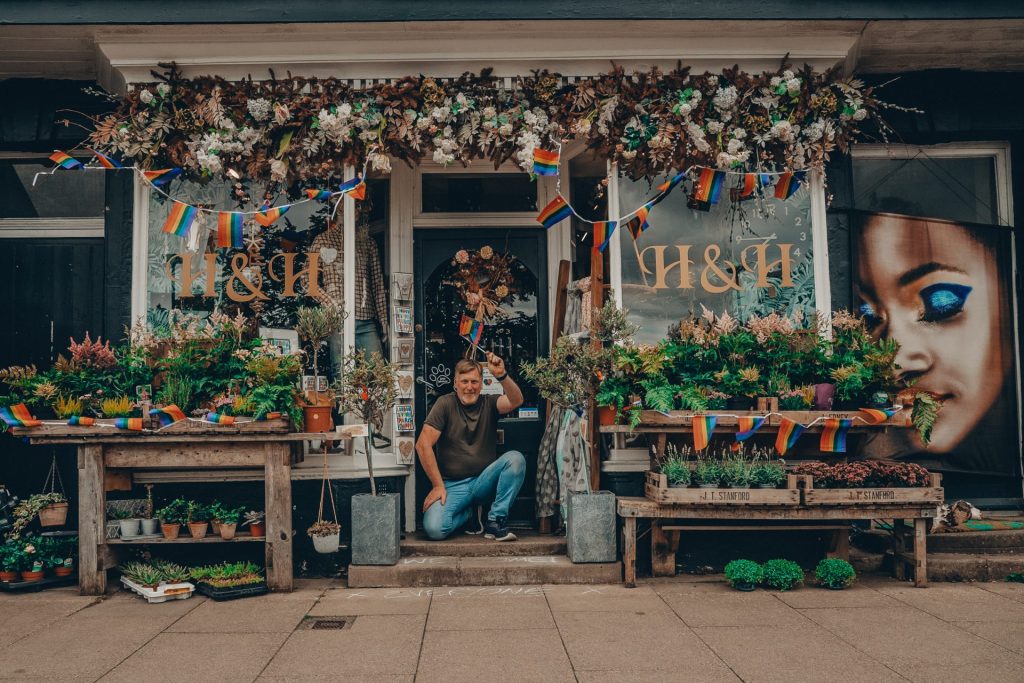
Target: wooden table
[
  {"x": 205, "y": 448},
  {"x": 788, "y": 517}
]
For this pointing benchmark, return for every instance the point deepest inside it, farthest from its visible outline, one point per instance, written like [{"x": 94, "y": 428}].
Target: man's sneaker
[
  {"x": 475, "y": 525},
  {"x": 497, "y": 530}
]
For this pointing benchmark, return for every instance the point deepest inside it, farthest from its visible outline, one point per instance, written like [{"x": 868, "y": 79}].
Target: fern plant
[{"x": 925, "y": 414}]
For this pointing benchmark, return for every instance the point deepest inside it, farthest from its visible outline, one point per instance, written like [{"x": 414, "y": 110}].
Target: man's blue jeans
[{"x": 501, "y": 481}]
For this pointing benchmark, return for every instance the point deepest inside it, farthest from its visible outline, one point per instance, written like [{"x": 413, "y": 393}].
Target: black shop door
[{"x": 520, "y": 334}]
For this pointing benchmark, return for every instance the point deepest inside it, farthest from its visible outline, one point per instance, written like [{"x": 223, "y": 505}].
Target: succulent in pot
[{"x": 326, "y": 536}]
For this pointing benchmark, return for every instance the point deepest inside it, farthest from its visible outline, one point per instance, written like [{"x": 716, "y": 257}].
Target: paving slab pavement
[{"x": 687, "y": 628}]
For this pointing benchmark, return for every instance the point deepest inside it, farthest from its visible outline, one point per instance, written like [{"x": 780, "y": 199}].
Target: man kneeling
[{"x": 458, "y": 451}]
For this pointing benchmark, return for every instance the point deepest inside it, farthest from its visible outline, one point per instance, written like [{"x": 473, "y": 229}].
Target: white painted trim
[
  {"x": 48, "y": 228},
  {"x": 819, "y": 245},
  {"x": 478, "y": 220},
  {"x": 615, "y": 244},
  {"x": 140, "y": 250}
]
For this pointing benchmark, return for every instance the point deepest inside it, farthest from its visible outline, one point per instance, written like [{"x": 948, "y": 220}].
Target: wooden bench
[{"x": 834, "y": 519}]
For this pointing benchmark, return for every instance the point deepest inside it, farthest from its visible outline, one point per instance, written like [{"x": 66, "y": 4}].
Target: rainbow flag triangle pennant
[
  {"x": 18, "y": 416},
  {"x": 179, "y": 220},
  {"x": 748, "y": 426},
  {"x": 638, "y": 223},
  {"x": 318, "y": 195},
  {"x": 750, "y": 185},
  {"x": 670, "y": 184},
  {"x": 162, "y": 176},
  {"x": 874, "y": 416},
  {"x": 355, "y": 188},
  {"x": 833, "y": 435},
  {"x": 168, "y": 415},
  {"x": 131, "y": 424},
  {"x": 65, "y": 160},
  {"x": 703, "y": 427},
  {"x": 229, "y": 230},
  {"x": 266, "y": 216},
  {"x": 788, "y": 184},
  {"x": 789, "y": 432},
  {"x": 81, "y": 421},
  {"x": 105, "y": 161},
  {"x": 708, "y": 187},
  {"x": 545, "y": 162},
  {"x": 555, "y": 212},
  {"x": 219, "y": 419},
  {"x": 603, "y": 231}
]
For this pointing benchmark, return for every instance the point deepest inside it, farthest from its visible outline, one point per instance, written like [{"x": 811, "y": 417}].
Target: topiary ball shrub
[
  {"x": 834, "y": 573},
  {"x": 743, "y": 575},
  {"x": 782, "y": 574}
]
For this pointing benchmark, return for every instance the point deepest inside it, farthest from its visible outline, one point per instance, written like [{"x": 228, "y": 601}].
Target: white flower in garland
[
  {"x": 793, "y": 86},
  {"x": 259, "y": 108},
  {"x": 163, "y": 89},
  {"x": 783, "y": 130},
  {"x": 379, "y": 162},
  {"x": 281, "y": 114},
  {"x": 145, "y": 96},
  {"x": 860, "y": 115},
  {"x": 715, "y": 127},
  {"x": 725, "y": 98},
  {"x": 490, "y": 113},
  {"x": 278, "y": 170},
  {"x": 814, "y": 131},
  {"x": 344, "y": 110}
]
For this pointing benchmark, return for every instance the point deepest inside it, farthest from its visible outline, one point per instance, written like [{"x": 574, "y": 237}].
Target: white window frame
[{"x": 50, "y": 226}]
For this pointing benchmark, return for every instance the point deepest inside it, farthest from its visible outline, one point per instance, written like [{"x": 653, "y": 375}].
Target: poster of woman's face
[{"x": 943, "y": 291}]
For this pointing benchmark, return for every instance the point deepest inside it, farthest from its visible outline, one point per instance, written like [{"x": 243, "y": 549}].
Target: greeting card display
[
  {"x": 405, "y": 419},
  {"x": 404, "y": 382},
  {"x": 401, "y": 286},
  {"x": 405, "y": 451},
  {"x": 403, "y": 319},
  {"x": 404, "y": 351}
]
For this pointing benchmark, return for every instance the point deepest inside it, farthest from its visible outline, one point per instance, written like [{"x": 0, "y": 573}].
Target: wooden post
[
  {"x": 92, "y": 574},
  {"x": 920, "y": 552},
  {"x": 278, "y": 494},
  {"x": 663, "y": 550},
  {"x": 629, "y": 551}
]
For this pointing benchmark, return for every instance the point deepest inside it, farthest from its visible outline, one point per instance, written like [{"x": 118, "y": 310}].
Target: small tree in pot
[{"x": 316, "y": 324}]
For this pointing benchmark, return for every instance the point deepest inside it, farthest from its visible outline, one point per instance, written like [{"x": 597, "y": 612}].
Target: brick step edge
[
  {"x": 524, "y": 547},
  {"x": 971, "y": 567},
  {"x": 482, "y": 571}
]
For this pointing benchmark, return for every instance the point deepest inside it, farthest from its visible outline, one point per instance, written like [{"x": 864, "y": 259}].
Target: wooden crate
[
  {"x": 887, "y": 496},
  {"x": 656, "y": 488}
]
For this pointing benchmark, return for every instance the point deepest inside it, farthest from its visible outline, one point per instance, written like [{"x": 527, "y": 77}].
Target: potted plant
[
  {"x": 743, "y": 575},
  {"x": 150, "y": 525},
  {"x": 228, "y": 522},
  {"x": 315, "y": 325},
  {"x": 143, "y": 574},
  {"x": 676, "y": 471},
  {"x": 30, "y": 562},
  {"x": 215, "y": 510},
  {"x": 326, "y": 536},
  {"x": 743, "y": 386},
  {"x": 767, "y": 475},
  {"x": 782, "y": 574},
  {"x": 801, "y": 398},
  {"x": 834, "y": 573},
  {"x": 52, "y": 509},
  {"x": 708, "y": 473},
  {"x": 128, "y": 526},
  {"x": 254, "y": 520},
  {"x": 198, "y": 519},
  {"x": 10, "y": 558},
  {"x": 171, "y": 517},
  {"x": 736, "y": 472}
]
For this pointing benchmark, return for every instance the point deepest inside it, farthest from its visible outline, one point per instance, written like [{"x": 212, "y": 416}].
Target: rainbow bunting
[
  {"x": 168, "y": 415},
  {"x": 555, "y": 212},
  {"x": 789, "y": 432},
  {"x": 874, "y": 416},
  {"x": 18, "y": 416},
  {"x": 229, "y": 229},
  {"x": 132, "y": 424},
  {"x": 266, "y": 216},
  {"x": 747, "y": 427},
  {"x": 833, "y": 435},
  {"x": 355, "y": 188},
  {"x": 545, "y": 162},
  {"x": 703, "y": 427},
  {"x": 105, "y": 161},
  {"x": 638, "y": 223},
  {"x": 267, "y": 416},
  {"x": 180, "y": 219},
  {"x": 65, "y": 160},
  {"x": 749, "y": 185},
  {"x": 161, "y": 177},
  {"x": 709, "y": 186},
  {"x": 670, "y": 185},
  {"x": 788, "y": 184},
  {"x": 81, "y": 421},
  {"x": 319, "y": 195},
  {"x": 603, "y": 231},
  {"x": 220, "y": 419}
]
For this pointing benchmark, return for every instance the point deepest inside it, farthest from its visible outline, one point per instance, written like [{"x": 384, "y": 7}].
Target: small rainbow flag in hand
[
  {"x": 65, "y": 160},
  {"x": 471, "y": 329},
  {"x": 132, "y": 424},
  {"x": 220, "y": 419},
  {"x": 703, "y": 427},
  {"x": 603, "y": 231},
  {"x": 355, "y": 188},
  {"x": 874, "y": 416},
  {"x": 789, "y": 432},
  {"x": 81, "y": 421},
  {"x": 161, "y": 177},
  {"x": 545, "y": 162},
  {"x": 555, "y": 212},
  {"x": 18, "y": 416},
  {"x": 105, "y": 161},
  {"x": 709, "y": 186},
  {"x": 229, "y": 229},
  {"x": 318, "y": 195},
  {"x": 168, "y": 415},
  {"x": 180, "y": 219},
  {"x": 638, "y": 223},
  {"x": 833, "y": 435},
  {"x": 788, "y": 184},
  {"x": 267, "y": 216}
]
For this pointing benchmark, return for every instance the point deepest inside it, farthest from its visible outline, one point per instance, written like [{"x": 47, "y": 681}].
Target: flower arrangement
[
  {"x": 297, "y": 129},
  {"x": 864, "y": 474},
  {"x": 484, "y": 279}
]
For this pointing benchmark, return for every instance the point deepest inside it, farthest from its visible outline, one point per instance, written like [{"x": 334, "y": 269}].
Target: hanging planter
[
  {"x": 326, "y": 535},
  {"x": 54, "y": 514}
]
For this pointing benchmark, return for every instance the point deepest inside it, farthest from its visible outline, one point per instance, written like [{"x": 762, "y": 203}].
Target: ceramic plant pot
[
  {"x": 170, "y": 531},
  {"x": 150, "y": 527},
  {"x": 227, "y": 531},
  {"x": 317, "y": 419},
  {"x": 8, "y": 577},
  {"x": 745, "y": 587},
  {"x": 62, "y": 571},
  {"x": 198, "y": 529},
  {"x": 215, "y": 526},
  {"x": 327, "y": 544},
  {"x": 32, "y": 576},
  {"x": 258, "y": 529},
  {"x": 130, "y": 527}
]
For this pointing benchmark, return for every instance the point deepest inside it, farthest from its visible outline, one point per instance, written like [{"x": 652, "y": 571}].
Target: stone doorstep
[
  {"x": 999, "y": 541},
  {"x": 482, "y": 571},
  {"x": 467, "y": 545},
  {"x": 972, "y": 567}
]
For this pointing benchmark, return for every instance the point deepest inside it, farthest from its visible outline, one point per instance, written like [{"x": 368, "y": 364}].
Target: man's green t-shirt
[{"x": 469, "y": 435}]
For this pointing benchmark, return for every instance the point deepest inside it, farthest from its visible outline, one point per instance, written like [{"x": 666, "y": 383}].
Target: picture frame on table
[
  {"x": 405, "y": 418},
  {"x": 401, "y": 286},
  {"x": 403, "y": 320},
  {"x": 286, "y": 340}
]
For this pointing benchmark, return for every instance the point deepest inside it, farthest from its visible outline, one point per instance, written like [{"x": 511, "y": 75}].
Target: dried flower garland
[
  {"x": 301, "y": 129},
  {"x": 483, "y": 279}
]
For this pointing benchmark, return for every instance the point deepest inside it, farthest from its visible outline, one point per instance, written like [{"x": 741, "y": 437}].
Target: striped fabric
[
  {"x": 229, "y": 230},
  {"x": 180, "y": 219}
]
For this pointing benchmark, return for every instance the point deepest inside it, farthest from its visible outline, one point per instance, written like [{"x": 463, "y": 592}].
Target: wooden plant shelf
[
  {"x": 184, "y": 539},
  {"x": 933, "y": 494},
  {"x": 656, "y": 488},
  {"x": 682, "y": 420}
]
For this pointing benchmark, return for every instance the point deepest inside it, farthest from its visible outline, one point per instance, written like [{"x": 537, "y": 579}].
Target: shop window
[
  {"x": 747, "y": 257},
  {"x": 471, "y": 192},
  {"x": 64, "y": 194}
]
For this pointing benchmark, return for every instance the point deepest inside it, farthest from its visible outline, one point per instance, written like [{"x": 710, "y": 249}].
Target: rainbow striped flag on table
[
  {"x": 168, "y": 415},
  {"x": 354, "y": 187},
  {"x": 789, "y": 432},
  {"x": 874, "y": 416},
  {"x": 162, "y": 176},
  {"x": 603, "y": 231},
  {"x": 18, "y": 416},
  {"x": 703, "y": 427},
  {"x": 833, "y": 435},
  {"x": 318, "y": 195},
  {"x": 709, "y": 186},
  {"x": 788, "y": 184},
  {"x": 65, "y": 160},
  {"x": 545, "y": 162},
  {"x": 229, "y": 229},
  {"x": 638, "y": 223},
  {"x": 555, "y": 212},
  {"x": 81, "y": 421},
  {"x": 132, "y": 424},
  {"x": 220, "y": 419},
  {"x": 266, "y": 216},
  {"x": 180, "y": 219}
]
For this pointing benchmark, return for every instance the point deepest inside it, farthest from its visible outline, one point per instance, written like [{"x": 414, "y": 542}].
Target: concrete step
[
  {"x": 530, "y": 543},
  {"x": 482, "y": 571},
  {"x": 972, "y": 567},
  {"x": 1008, "y": 541}
]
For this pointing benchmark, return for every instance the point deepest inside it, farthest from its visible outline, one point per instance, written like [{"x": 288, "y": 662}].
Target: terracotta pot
[
  {"x": 215, "y": 526},
  {"x": 227, "y": 531},
  {"x": 170, "y": 531},
  {"x": 317, "y": 419},
  {"x": 606, "y": 415},
  {"x": 63, "y": 571},
  {"x": 258, "y": 528},
  {"x": 198, "y": 529},
  {"x": 8, "y": 576},
  {"x": 32, "y": 576},
  {"x": 54, "y": 515}
]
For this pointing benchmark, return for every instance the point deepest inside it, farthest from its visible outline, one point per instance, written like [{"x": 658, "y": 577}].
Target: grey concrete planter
[
  {"x": 376, "y": 528},
  {"x": 590, "y": 527}
]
